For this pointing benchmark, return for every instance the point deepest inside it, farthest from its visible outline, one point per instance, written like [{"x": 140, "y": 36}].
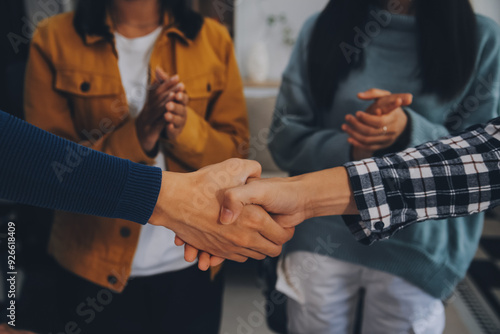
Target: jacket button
[
  {"x": 125, "y": 232},
  {"x": 112, "y": 280},
  {"x": 209, "y": 87},
  {"x": 85, "y": 86}
]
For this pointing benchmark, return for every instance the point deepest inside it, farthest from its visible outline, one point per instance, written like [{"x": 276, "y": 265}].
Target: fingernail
[
  {"x": 226, "y": 216},
  {"x": 175, "y": 77}
]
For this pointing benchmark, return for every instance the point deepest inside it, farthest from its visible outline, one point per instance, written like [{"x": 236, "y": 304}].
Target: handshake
[
  {"x": 225, "y": 211},
  {"x": 212, "y": 211}
]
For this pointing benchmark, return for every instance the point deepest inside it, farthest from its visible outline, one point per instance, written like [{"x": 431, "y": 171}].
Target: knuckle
[
  {"x": 253, "y": 218},
  {"x": 230, "y": 196},
  {"x": 276, "y": 252},
  {"x": 243, "y": 241}
]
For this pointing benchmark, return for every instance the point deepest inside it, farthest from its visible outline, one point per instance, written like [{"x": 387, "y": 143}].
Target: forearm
[
  {"x": 41, "y": 169},
  {"x": 327, "y": 193}
]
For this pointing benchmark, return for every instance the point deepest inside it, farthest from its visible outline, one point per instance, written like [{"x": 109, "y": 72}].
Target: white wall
[
  {"x": 489, "y": 8},
  {"x": 251, "y": 26}
]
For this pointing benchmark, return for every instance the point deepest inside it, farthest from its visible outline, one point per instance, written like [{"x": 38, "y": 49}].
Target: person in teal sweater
[{"x": 448, "y": 58}]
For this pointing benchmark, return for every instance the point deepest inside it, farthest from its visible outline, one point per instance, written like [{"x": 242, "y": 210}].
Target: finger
[
  {"x": 236, "y": 258},
  {"x": 204, "y": 261},
  {"x": 216, "y": 261},
  {"x": 362, "y": 128},
  {"x": 177, "y": 121},
  {"x": 373, "y": 93},
  {"x": 161, "y": 76},
  {"x": 272, "y": 236},
  {"x": 178, "y": 241},
  {"x": 366, "y": 140},
  {"x": 190, "y": 253},
  {"x": 253, "y": 254},
  {"x": 170, "y": 85},
  {"x": 236, "y": 199},
  {"x": 175, "y": 108},
  {"x": 406, "y": 98},
  {"x": 168, "y": 94},
  {"x": 371, "y": 120},
  {"x": 182, "y": 98},
  {"x": 172, "y": 132},
  {"x": 384, "y": 105},
  {"x": 274, "y": 232},
  {"x": 393, "y": 102},
  {"x": 287, "y": 221}
]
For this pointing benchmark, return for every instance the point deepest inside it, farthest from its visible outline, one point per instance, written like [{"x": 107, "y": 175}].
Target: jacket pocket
[
  {"x": 86, "y": 84},
  {"x": 94, "y": 98},
  {"x": 203, "y": 90}
]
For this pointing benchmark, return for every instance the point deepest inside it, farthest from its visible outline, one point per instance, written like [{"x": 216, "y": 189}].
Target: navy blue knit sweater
[{"x": 41, "y": 169}]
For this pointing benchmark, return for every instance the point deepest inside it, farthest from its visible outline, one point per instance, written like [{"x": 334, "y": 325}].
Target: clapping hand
[
  {"x": 161, "y": 111},
  {"x": 378, "y": 127},
  {"x": 176, "y": 101}
]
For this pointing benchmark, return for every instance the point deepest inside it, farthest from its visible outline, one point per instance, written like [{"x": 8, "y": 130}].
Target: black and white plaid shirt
[{"x": 451, "y": 177}]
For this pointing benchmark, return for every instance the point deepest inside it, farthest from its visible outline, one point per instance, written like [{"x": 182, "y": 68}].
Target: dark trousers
[{"x": 182, "y": 302}]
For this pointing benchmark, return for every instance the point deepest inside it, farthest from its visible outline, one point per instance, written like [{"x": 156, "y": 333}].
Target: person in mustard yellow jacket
[{"x": 153, "y": 82}]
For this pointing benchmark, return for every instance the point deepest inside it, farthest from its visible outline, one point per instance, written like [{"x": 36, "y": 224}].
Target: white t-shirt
[{"x": 156, "y": 252}]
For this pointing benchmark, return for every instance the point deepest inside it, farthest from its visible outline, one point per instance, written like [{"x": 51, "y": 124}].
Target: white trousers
[{"x": 323, "y": 296}]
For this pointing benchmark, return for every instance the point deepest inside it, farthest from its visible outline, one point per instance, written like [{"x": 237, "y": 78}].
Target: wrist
[
  {"x": 149, "y": 144},
  {"x": 328, "y": 193},
  {"x": 170, "y": 197}
]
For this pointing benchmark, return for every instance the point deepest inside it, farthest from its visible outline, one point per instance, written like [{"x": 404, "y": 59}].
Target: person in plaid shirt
[{"x": 450, "y": 177}]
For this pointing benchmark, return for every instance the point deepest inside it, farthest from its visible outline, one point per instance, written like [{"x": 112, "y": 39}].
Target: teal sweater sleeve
[
  {"x": 40, "y": 169},
  {"x": 297, "y": 141},
  {"x": 479, "y": 102}
]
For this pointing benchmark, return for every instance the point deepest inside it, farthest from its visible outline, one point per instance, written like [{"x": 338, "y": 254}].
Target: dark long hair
[
  {"x": 447, "y": 35},
  {"x": 90, "y": 17}
]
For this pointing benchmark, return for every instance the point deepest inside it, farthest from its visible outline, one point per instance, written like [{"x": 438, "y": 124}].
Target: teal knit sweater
[{"x": 434, "y": 255}]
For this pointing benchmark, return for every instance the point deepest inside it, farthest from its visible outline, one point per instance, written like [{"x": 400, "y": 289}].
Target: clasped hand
[
  {"x": 380, "y": 126},
  {"x": 195, "y": 219},
  {"x": 164, "y": 112}
]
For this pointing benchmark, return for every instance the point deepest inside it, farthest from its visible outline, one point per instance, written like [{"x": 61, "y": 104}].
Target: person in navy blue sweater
[{"x": 41, "y": 169}]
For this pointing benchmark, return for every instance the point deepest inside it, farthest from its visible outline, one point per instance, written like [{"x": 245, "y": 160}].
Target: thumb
[
  {"x": 178, "y": 241},
  {"x": 235, "y": 200},
  {"x": 161, "y": 76},
  {"x": 373, "y": 93}
]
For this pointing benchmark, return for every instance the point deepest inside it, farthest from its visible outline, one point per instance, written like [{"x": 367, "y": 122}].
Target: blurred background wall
[{"x": 251, "y": 27}]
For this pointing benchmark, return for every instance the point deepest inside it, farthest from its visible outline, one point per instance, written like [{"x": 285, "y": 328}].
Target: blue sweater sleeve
[
  {"x": 40, "y": 169},
  {"x": 297, "y": 142},
  {"x": 480, "y": 101}
]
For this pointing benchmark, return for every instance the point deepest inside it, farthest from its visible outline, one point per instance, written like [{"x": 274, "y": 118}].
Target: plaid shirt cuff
[
  {"x": 371, "y": 200},
  {"x": 451, "y": 177}
]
